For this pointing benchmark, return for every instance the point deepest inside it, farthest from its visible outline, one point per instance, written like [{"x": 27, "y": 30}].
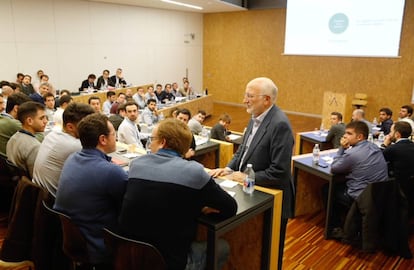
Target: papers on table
[
  {"x": 200, "y": 140},
  {"x": 228, "y": 184},
  {"x": 233, "y": 137},
  {"x": 180, "y": 99},
  {"x": 131, "y": 155},
  {"x": 327, "y": 159}
]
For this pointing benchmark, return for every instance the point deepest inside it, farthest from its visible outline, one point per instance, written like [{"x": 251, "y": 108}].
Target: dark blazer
[
  {"x": 101, "y": 82},
  {"x": 270, "y": 153},
  {"x": 85, "y": 84},
  {"x": 113, "y": 80}
]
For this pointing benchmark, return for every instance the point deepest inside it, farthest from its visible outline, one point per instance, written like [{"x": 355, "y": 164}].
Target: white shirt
[{"x": 128, "y": 133}]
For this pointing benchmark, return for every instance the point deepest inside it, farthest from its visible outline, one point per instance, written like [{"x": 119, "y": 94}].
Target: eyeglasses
[
  {"x": 151, "y": 138},
  {"x": 250, "y": 96}
]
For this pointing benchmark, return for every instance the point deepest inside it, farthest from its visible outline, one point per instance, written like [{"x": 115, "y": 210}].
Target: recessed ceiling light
[{"x": 182, "y": 4}]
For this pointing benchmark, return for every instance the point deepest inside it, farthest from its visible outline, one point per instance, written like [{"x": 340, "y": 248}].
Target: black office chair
[
  {"x": 10, "y": 175},
  {"x": 74, "y": 243},
  {"x": 132, "y": 254}
]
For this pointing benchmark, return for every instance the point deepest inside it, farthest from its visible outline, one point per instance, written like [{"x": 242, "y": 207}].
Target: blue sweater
[{"x": 90, "y": 191}]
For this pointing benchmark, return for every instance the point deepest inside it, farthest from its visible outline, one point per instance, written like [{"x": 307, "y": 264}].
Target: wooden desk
[
  {"x": 305, "y": 141},
  {"x": 207, "y": 152},
  {"x": 308, "y": 179},
  {"x": 201, "y": 103},
  {"x": 249, "y": 206}
]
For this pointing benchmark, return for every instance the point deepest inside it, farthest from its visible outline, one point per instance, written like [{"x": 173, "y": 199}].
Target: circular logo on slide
[{"x": 338, "y": 23}]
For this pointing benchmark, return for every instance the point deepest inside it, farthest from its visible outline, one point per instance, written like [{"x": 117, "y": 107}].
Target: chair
[
  {"x": 360, "y": 100},
  {"x": 9, "y": 177},
  {"x": 74, "y": 243},
  {"x": 132, "y": 254},
  {"x": 380, "y": 215}
]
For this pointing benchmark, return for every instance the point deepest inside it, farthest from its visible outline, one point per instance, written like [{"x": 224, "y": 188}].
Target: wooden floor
[{"x": 305, "y": 247}]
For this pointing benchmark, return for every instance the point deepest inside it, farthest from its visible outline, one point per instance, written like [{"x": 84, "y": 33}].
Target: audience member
[
  {"x": 359, "y": 115},
  {"x": 139, "y": 98},
  {"x": 150, "y": 114},
  {"x": 405, "y": 115},
  {"x": 57, "y": 146},
  {"x": 2, "y": 104},
  {"x": 19, "y": 78},
  {"x": 118, "y": 80},
  {"x": 38, "y": 96},
  {"x": 26, "y": 86},
  {"x": 267, "y": 145},
  {"x": 399, "y": 153},
  {"x": 88, "y": 84},
  {"x": 49, "y": 99},
  {"x": 61, "y": 93},
  {"x": 184, "y": 116},
  {"x": 219, "y": 131},
  {"x": 385, "y": 115},
  {"x": 6, "y": 91},
  {"x": 160, "y": 93},
  {"x": 13, "y": 103},
  {"x": 158, "y": 192},
  {"x": 175, "y": 90},
  {"x": 104, "y": 82},
  {"x": 44, "y": 79},
  {"x": 336, "y": 131},
  {"x": 195, "y": 123},
  {"x": 150, "y": 94},
  {"x": 362, "y": 163},
  {"x": 117, "y": 118},
  {"x": 110, "y": 99},
  {"x": 23, "y": 146},
  {"x": 119, "y": 100},
  {"x": 186, "y": 90},
  {"x": 91, "y": 188},
  {"x": 64, "y": 101},
  {"x": 128, "y": 131},
  {"x": 128, "y": 94},
  {"x": 95, "y": 103},
  {"x": 168, "y": 93}
]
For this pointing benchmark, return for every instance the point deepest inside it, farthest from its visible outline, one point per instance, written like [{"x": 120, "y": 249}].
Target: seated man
[
  {"x": 184, "y": 115},
  {"x": 405, "y": 114},
  {"x": 399, "y": 153},
  {"x": 95, "y": 103},
  {"x": 151, "y": 94},
  {"x": 139, "y": 98},
  {"x": 128, "y": 131},
  {"x": 23, "y": 146},
  {"x": 336, "y": 131},
  {"x": 362, "y": 163},
  {"x": 91, "y": 188},
  {"x": 118, "y": 80},
  {"x": 150, "y": 113},
  {"x": 9, "y": 125},
  {"x": 104, "y": 82},
  {"x": 121, "y": 99},
  {"x": 359, "y": 115},
  {"x": 110, "y": 99},
  {"x": 159, "y": 192},
  {"x": 89, "y": 83},
  {"x": 117, "y": 118},
  {"x": 385, "y": 115},
  {"x": 219, "y": 131},
  {"x": 49, "y": 99},
  {"x": 57, "y": 146},
  {"x": 64, "y": 102},
  {"x": 195, "y": 123},
  {"x": 160, "y": 93}
]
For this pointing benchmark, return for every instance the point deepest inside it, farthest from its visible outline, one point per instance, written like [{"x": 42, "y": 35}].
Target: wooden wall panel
[{"x": 240, "y": 46}]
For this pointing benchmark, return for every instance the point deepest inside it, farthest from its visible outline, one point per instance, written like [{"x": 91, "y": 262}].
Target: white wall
[{"x": 70, "y": 39}]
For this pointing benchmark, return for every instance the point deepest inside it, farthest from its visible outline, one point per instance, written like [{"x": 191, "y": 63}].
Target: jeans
[{"x": 196, "y": 259}]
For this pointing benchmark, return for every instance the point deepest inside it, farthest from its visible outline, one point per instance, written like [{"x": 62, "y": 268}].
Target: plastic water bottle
[
  {"x": 161, "y": 116},
  {"x": 381, "y": 137},
  {"x": 370, "y": 138},
  {"x": 315, "y": 153},
  {"x": 248, "y": 185},
  {"x": 375, "y": 122}
]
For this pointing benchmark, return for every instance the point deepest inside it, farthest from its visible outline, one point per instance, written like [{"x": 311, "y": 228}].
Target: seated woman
[
  {"x": 219, "y": 131},
  {"x": 165, "y": 196}
]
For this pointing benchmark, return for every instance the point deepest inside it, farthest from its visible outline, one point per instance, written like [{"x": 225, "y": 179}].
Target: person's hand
[
  {"x": 189, "y": 153},
  {"x": 208, "y": 210},
  {"x": 345, "y": 143},
  {"x": 387, "y": 140},
  {"x": 220, "y": 172},
  {"x": 238, "y": 177}
]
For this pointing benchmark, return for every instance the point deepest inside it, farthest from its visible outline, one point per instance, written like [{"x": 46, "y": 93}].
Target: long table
[
  {"x": 308, "y": 180},
  {"x": 305, "y": 141}
]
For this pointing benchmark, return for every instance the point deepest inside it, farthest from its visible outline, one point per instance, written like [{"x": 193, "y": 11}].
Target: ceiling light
[{"x": 182, "y": 4}]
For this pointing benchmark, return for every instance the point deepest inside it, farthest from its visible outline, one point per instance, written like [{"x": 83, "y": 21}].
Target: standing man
[
  {"x": 23, "y": 146},
  {"x": 336, "y": 131},
  {"x": 128, "y": 131},
  {"x": 91, "y": 188},
  {"x": 57, "y": 146},
  {"x": 267, "y": 145}
]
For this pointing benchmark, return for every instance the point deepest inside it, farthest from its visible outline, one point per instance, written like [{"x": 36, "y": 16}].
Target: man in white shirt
[
  {"x": 139, "y": 98},
  {"x": 150, "y": 113},
  {"x": 128, "y": 131},
  {"x": 405, "y": 115},
  {"x": 57, "y": 146},
  {"x": 64, "y": 102},
  {"x": 110, "y": 99}
]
